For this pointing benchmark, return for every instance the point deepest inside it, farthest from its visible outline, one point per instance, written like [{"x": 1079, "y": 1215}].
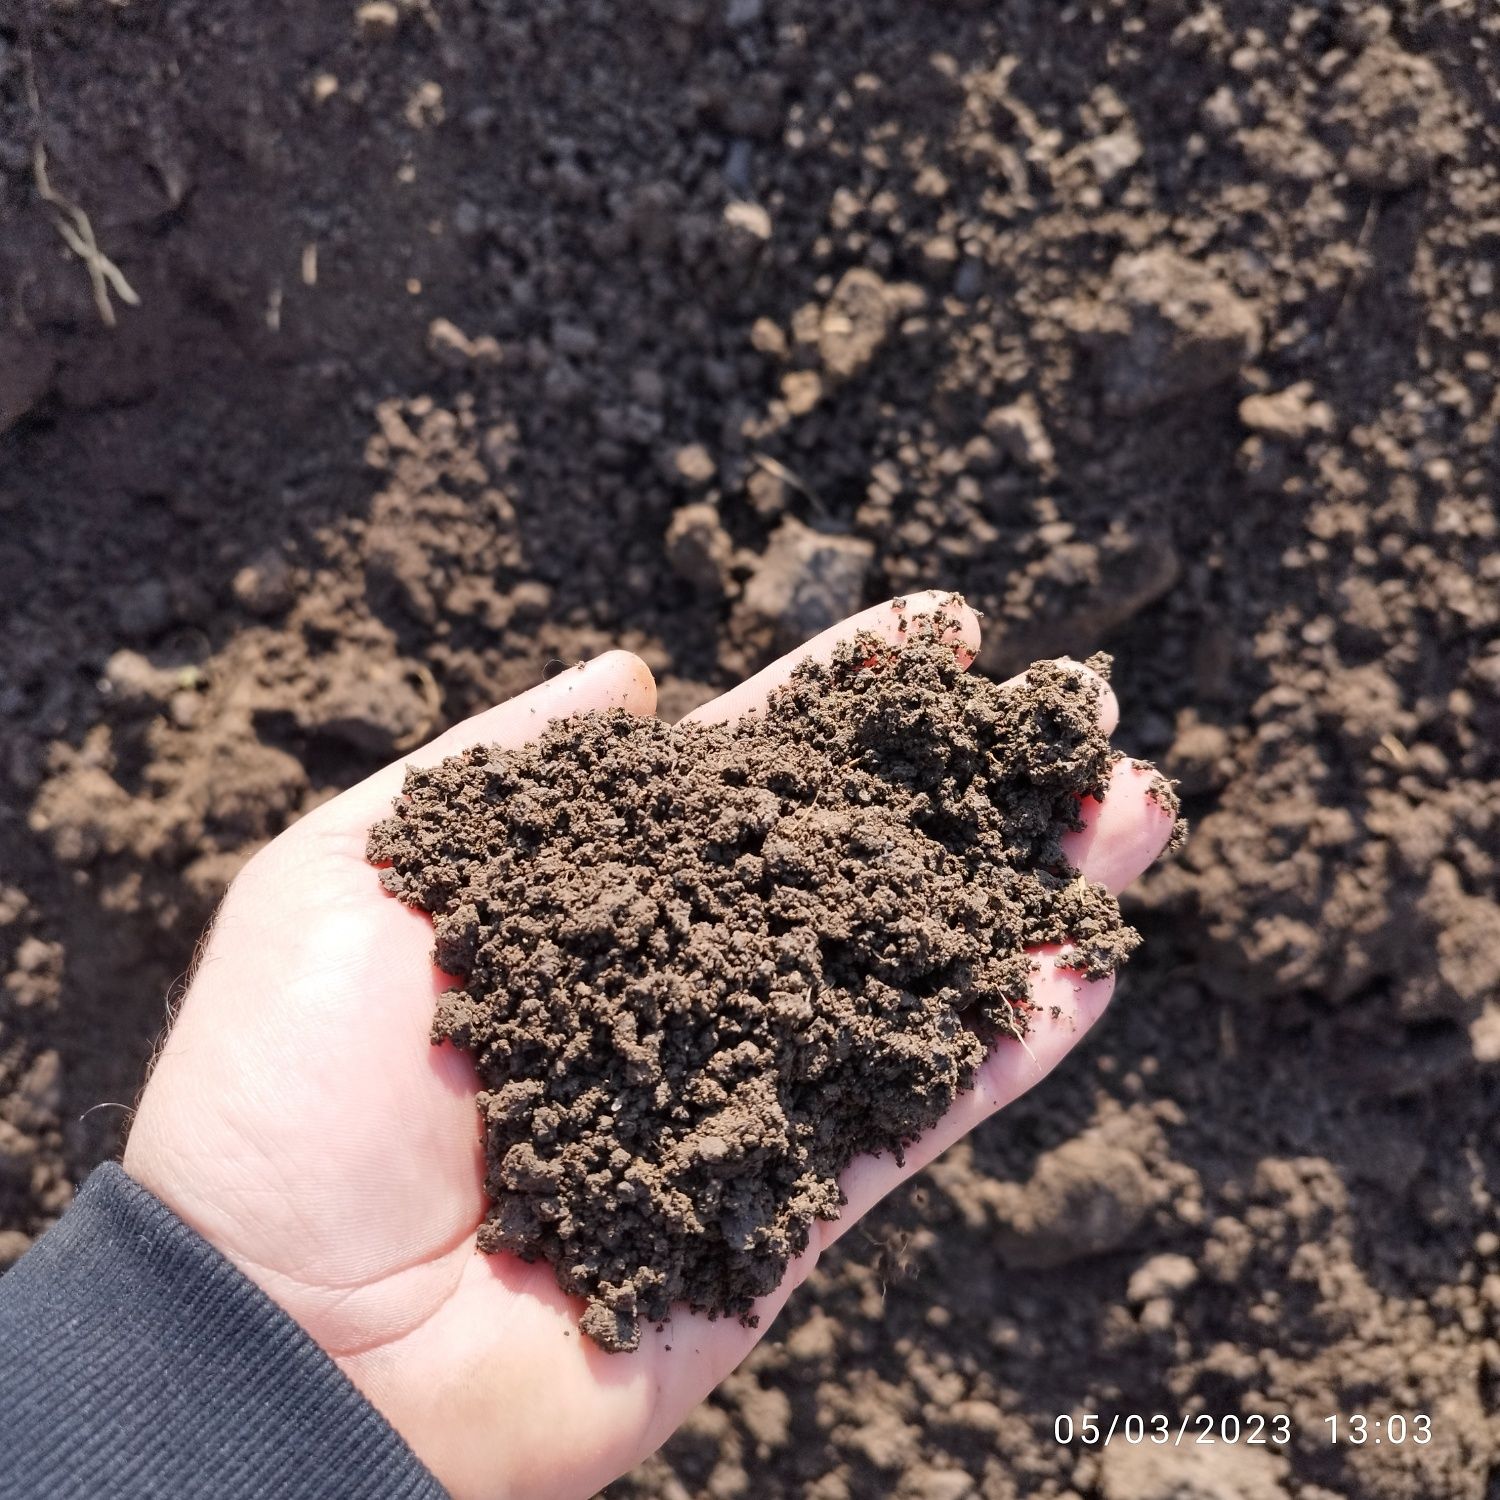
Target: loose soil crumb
[{"x": 705, "y": 967}]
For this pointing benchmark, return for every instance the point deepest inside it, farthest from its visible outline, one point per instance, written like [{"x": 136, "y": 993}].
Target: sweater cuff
[{"x": 136, "y": 1361}]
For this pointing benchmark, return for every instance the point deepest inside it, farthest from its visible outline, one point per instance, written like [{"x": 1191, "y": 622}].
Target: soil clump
[{"x": 705, "y": 966}]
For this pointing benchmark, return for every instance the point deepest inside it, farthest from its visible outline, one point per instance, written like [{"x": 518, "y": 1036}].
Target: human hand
[{"x": 299, "y": 1119}]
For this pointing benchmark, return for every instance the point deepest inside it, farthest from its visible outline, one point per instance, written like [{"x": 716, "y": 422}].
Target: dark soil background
[{"x": 475, "y": 335}]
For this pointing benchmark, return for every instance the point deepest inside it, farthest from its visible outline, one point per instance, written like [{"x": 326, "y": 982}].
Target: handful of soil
[{"x": 703, "y": 968}]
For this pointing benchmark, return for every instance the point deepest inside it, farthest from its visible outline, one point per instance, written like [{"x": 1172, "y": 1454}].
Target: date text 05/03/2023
[{"x": 1158, "y": 1429}]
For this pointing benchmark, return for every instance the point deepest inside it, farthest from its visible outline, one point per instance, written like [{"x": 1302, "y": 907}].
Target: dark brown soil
[
  {"x": 705, "y": 967},
  {"x": 799, "y": 305}
]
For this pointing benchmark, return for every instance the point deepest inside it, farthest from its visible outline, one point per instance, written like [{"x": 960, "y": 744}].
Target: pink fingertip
[{"x": 1124, "y": 832}]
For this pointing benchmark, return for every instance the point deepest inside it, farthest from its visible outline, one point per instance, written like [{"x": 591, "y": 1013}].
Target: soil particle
[
  {"x": 1290, "y": 415},
  {"x": 383, "y": 708},
  {"x": 1165, "y": 1275},
  {"x": 704, "y": 968},
  {"x": 924, "y": 1483},
  {"x": 1163, "y": 793},
  {"x": 1222, "y": 1472},
  {"x": 451, "y": 346},
  {"x": 38, "y": 1092},
  {"x": 1169, "y": 326},
  {"x": 1018, "y": 428},
  {"x": 693, "y": 466},
  {"x": 746, "y": 229},
  {"x": 1086, "y": 1198},
  {"x": 33, "y": 981},
  {"x": 1467, "y": 930},
  {"x": 1394, "y": 118},
  {"x": 131, "y": 680},
  {"x": 854, "y": 324},
  {"x": 700, "y": 550},
  {"x": 805, "y": 581},
  {"x": 1199, "y": 757},
  {"x": 377, "y": 20},
  {"x": 264, "y": 586}
]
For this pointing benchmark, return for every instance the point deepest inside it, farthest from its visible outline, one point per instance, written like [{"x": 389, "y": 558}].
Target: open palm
[{"x": 300, "y": 1121}]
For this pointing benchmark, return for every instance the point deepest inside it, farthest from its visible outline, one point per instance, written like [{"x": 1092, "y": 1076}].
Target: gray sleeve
[{"x": 136, "y": 1361}]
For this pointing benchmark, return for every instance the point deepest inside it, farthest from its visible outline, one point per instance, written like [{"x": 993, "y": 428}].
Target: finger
[
  {"x": 1067, "y": 1005},
  {"x": 1109, "y": 705},
  {"x": 1124, "y": 832},
  {"x": 617, "y": 679},
  {"x": 891, "y": 621}
]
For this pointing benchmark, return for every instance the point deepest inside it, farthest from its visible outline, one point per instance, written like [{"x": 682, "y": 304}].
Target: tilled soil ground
[{"x": 474, "y": 335}]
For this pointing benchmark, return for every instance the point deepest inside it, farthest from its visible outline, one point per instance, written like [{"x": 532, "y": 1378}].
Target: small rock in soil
[
  {"x": 703, "y": 968},
  {"x": 1081, "y": 593}
]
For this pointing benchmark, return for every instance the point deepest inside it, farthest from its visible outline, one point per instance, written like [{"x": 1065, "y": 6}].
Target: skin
[{"x": 299, "y": 1119}]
